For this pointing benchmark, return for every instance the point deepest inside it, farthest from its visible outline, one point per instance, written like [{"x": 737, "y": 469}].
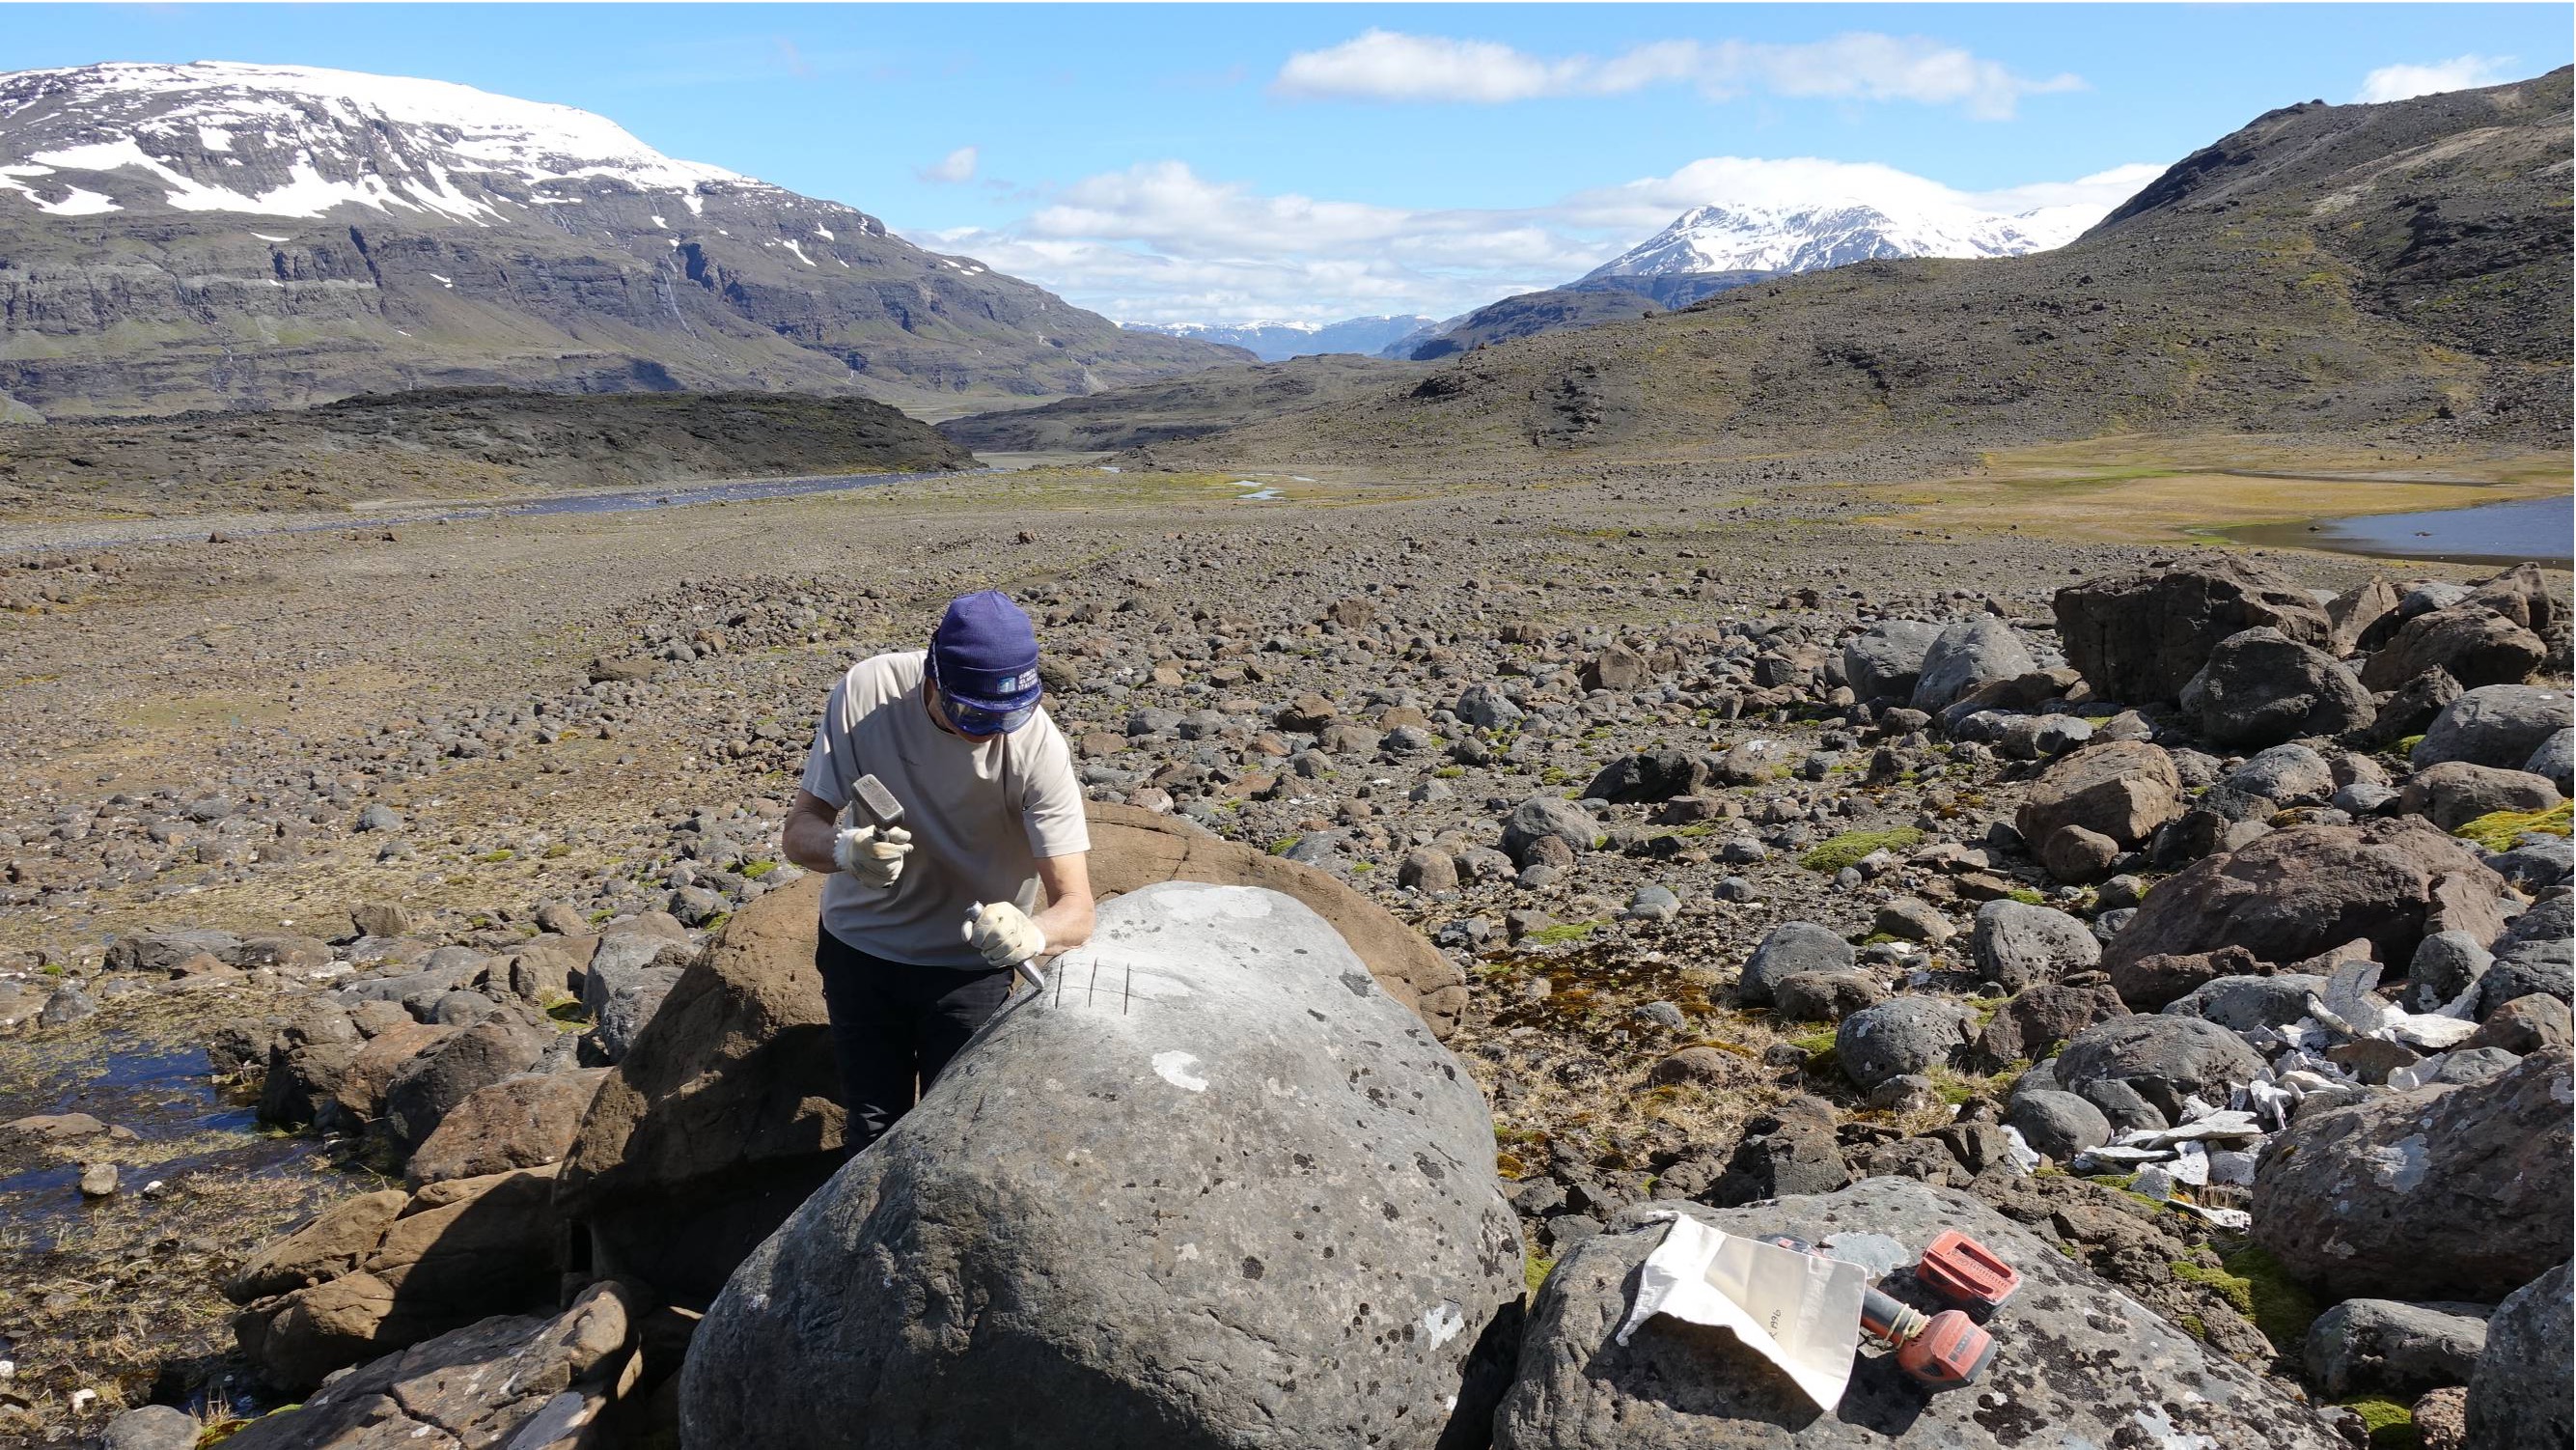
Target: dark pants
[{"x": 895, "y": 1025}]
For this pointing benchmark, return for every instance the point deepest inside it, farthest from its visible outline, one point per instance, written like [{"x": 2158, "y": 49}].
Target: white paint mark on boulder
[{"x": 1174, "y": 1067}]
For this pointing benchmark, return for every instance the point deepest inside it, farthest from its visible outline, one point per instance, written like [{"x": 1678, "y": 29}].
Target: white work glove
[
  {"x": 876, "y": 858},
  {"x": 1003, "y": 933}
]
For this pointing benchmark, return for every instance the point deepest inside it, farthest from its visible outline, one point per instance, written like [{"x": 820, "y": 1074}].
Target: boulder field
[{"x": 2201, "y": 943}]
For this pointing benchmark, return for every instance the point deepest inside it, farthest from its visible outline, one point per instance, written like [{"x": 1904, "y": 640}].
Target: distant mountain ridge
[
  {"x": 226, "y": 235},
  {"x": 1280, "y": 341},
  {"x": 1709, "y": 249},
  {"x": 2398, "y": 272}
]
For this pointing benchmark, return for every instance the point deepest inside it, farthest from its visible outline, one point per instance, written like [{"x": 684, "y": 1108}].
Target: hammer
[{"x": 870, "y": 795}]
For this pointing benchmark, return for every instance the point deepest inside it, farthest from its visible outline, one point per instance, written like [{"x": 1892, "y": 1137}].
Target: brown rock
[
  {"x": 521, "y": 1122},
  {"x": 332, "y": 1243},
  {"x": 2122, "y": 789},
  {"x": 1615, "y": 668},
  {"x": 2522, "y": 595},
  {"x": 360, "y": 1091},
  {"x": 1306, "y": 714},
  {"x": 1824, "y": 996},
  {"x": 2292, "y": 894},
  {"x": 1352, "y": 613},
  {"x": 2148, "y": 983},
  {"x": 2442, "y": 1418},
  {"x": 2139, "y": 638},
  {"x": 2526, "y": 1025},
  {"x": 473, "y": 1246},
  {"x": 2075, "y": 855},
  {"x": 1703, "y": 1066},
  {"x": 2355, "y": 614},
  {"x": 383, "y": 918},
  {"x": 2038, "y": 1020}
]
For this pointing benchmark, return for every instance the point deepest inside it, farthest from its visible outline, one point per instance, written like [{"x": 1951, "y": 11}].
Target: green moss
[
  {"x": 53, "y": 969},
  {"x": 2496, "y": 830},
  {"x": 2391, "y": 1426},
  {"x": 2282, "y": 1309},
  {"x": 1450, "y": 772},
  {"x": 1553, "y": 775},
  {"x": 1849, "y": 848},
  {"x": 1535, "y": 1269},
  {"x": 1813, "y": 1043},
  {"x": 558, "y": 851},
  {"x": 495, "y": 858},
  {"x": 2193, "y": 1326},
  {"x": 2236, "y": 1291},
  {"x": 1362, "y": 868},
  {"x": 1559, "y": 934},
  {"x": 758, "y": 869},
  {"x": 2406, "y": 746},
  {"x": 2026, "y": 896},
  {"x": 1283, "y": 845}
]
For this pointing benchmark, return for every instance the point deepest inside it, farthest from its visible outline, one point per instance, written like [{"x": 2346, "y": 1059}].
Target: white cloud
[
  {"x": 2459, "y": 73},
  {"x": 1157, "y": 242},
  {"x": 1385, "y": 65},
  {"x": 955, "y": 167}
]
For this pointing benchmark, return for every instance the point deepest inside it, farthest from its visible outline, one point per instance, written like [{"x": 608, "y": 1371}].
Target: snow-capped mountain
[
  {"x": 1803, "y": 238},
  {"x": 1279, "y": 341},
  {"x": 216, "y": 234}
]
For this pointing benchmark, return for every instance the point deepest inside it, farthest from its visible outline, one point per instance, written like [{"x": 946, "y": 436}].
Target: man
[{"x": 920, "y": 932}]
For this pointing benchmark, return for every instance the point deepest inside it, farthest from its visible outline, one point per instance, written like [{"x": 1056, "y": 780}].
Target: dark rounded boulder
[
  {"x": 1211, "y": 1184},
  {"x": 2164, "y": 1059}
]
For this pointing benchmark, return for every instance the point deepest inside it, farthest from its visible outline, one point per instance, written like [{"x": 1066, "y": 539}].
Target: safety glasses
[{"x": 976, "y": 720}]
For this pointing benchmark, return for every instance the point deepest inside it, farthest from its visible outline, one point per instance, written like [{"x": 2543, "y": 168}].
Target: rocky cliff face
[{"x": 218, "y": 235}]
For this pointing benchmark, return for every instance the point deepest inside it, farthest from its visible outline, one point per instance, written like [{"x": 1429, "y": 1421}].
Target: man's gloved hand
[
  {"x": 873, "y": 856},
  {"x": 1003, "y": 933}
]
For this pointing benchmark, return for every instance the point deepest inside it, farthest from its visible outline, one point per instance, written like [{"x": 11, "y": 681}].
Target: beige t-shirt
[{"x": 980, "y": 813}]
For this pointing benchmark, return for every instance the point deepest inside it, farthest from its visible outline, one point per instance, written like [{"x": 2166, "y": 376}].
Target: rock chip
[
  {"x": 1268, "y": 1142},
  {"x": 2077, "y": 1362}
]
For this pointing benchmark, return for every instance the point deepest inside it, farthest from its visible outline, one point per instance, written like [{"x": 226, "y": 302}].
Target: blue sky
[{"x": 1239, "y": 161}]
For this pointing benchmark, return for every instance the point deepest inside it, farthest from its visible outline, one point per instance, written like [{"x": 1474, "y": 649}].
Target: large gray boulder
[
  {"x": 2261, "y": 688},
  {"x": 1885, "y": 660},
  {"x": 2519, "y": 1397},
  {"x": 2122, "y": 789},
  {"x": 1213, "y": 1188},
  {"x": 1792, "y": 949},
  {"x": 2442, "y": 1192},
  {"x": 2473, "y": 644},
  {"x": 2018, "y": 945},
  {"x": 2492, "y": 725},
  {"x": 2394, "y": 1347},
  {"x": 1906, "y": 1034},
  {"x": 2077, "y": 1361},
  {"x": 1973, "y": 652},
  {"x": 1543, "y": 816},
  {"x": 2164, "y": 1059}
]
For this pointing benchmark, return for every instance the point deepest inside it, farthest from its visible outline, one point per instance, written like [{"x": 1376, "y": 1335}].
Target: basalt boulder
[
  {"x": 2441, "y": 1192},
  {"x": 2472, "y": 643},
  {"x": 1213, "y": 1188},
  {"x": 727, "y": 1112},
  {"x": 2293, "y": 894},
  {"x": 2077, "y": 1361},
  {"x": 2261, "y": 688},
  {"x": 2140, "y": 638},
  {"x": 2519, "y": 1397}
]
